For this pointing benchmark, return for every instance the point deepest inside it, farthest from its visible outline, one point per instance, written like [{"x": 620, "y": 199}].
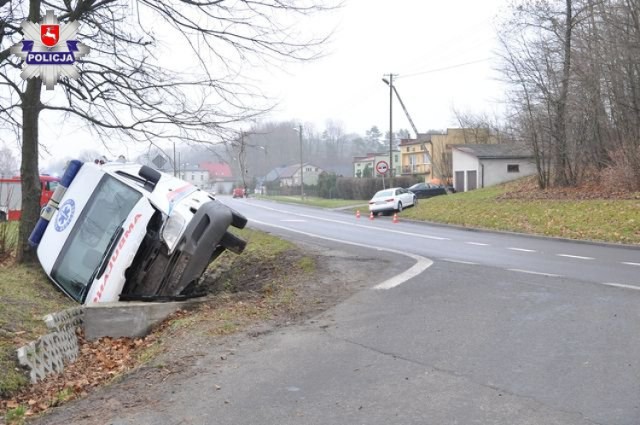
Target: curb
[{"x": 530, "y": 235}]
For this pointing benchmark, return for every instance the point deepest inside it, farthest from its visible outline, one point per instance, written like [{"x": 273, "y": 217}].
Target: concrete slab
[{"x": 129, "y": 318}]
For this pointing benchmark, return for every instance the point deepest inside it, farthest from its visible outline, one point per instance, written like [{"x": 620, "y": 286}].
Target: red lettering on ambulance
[{"x": 114, "y": 257}]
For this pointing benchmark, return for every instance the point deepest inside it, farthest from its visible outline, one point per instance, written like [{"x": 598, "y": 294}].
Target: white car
[{"x": 393, "y": 199}]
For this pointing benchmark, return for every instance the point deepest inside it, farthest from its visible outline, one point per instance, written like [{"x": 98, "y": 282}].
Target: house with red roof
[{"x": 220, "y": 176}]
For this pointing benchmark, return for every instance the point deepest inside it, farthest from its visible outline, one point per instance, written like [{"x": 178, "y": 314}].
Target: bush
[
  {"x": 8, "y": 237},
  {"x": 327, "y": 185},
  {"x": 365, "y": 188},
  {"x": 624, "y": 171}
]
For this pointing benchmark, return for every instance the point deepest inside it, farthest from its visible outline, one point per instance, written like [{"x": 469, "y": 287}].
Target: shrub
[
  {"x": 623, "y": 173},
  {"x": 365, "y": 188}
]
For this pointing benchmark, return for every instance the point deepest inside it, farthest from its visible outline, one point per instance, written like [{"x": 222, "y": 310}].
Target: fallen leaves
[
  {"x": 528, "y": 189},
  {"x": 98, "y": 361}
]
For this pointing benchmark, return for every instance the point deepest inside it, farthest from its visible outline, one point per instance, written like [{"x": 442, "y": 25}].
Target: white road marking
[
  {"x": 477, "y": 243},
  {"x": 532, "y": 272},
  {"x": 622, "y": 285},
  {"x": 293, "y": 220},
  {"x": 451, "y": 260},
  {"x": 631, "y": 264},
  {"x": 348, "y": 223},
  {"x": 422, "y": 263},
  {"x": 575, "y": 256},
  {"x": 522, "y": 249}
]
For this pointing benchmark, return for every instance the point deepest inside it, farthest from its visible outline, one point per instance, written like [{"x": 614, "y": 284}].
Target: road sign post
[{"x": 382, "y": 168}]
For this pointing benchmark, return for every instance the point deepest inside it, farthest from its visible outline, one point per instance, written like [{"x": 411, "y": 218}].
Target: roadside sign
[
  {"x": 159, "y": 161},
  {"x": 382, "y": 167}
]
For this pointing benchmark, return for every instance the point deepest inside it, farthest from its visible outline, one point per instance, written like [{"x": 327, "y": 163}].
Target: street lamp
[{"x": 299, "y": 130}]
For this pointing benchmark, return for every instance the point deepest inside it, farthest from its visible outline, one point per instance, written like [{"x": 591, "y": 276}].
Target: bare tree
[
  {"x": 481, "y": 128},
  {"x": 574, "y": 66},
  {"x": 129, "y": 87},
  {"x": 537, "y": 52}
]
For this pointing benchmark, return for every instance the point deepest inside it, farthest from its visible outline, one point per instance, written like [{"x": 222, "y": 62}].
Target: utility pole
[
  {"x": 242, "y": 161},
  {"x": 301, "y": 164},
  {"x": 390, "y": 75}
]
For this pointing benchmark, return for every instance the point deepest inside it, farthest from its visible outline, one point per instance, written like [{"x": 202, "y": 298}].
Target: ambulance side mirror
[{"x": 151, "y": 176}]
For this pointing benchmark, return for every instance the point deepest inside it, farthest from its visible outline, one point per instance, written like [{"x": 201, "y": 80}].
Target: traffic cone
[
  {"x": 395, "y": 217},
  {"x": 371, "y": 215},
  {"x": 357, "y": 213}
]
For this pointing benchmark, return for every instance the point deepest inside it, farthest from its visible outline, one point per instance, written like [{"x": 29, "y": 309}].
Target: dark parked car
[{"x": 427, "y": 190}]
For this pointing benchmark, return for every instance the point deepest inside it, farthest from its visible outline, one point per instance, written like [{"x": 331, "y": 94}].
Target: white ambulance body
[{"x": 128, "y": 232}]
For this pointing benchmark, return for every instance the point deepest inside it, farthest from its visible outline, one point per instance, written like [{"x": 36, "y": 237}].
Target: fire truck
[{"x": 11, "y": 195}]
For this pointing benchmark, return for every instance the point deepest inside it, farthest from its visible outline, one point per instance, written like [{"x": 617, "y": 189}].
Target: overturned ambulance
[{"x": 117, "y": 232}]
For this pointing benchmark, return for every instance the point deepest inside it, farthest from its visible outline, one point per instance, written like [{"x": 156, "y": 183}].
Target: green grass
[
  {"x": 315, "y": 202},
  {"x": 16, "y": 416},
  {"x": 598, "y": 220},
  {"x": 307, "y": 264},
  {"x": 26, "y": 296},
  {"x": 261, "y": 244},
  {"x": 8, "y": 236}
]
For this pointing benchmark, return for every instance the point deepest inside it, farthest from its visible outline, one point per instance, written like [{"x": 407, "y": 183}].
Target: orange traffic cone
[
  {"x": 357, "y": 213},
  {"x": 395, "y": 217},
  {"x": 371, "y": 215}
]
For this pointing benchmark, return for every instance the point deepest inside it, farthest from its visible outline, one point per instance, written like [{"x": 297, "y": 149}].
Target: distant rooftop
[{"x": 496, "y": 151}]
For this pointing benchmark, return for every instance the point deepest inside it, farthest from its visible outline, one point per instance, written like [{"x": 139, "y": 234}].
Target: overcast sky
[
  {"x": 443, "y": 53},
  {"x": 425, "y": 42}
]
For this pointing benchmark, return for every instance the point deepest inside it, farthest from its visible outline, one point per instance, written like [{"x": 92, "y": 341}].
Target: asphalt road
[
  {"x": 474, "y": 328},
  {"x": 587, "y": 263},
  {"x": 500, "y": 328}
]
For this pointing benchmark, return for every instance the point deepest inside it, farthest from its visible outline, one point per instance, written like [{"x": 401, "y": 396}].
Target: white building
[
  {"x": 360, "y": 163},
  {"x": 291, "y": 175},
  {"x": 484, "y": 165},
  {"x": 196, "y": 176}
]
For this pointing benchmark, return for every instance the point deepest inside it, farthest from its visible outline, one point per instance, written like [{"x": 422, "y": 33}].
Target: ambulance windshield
[{"x": 86, "y": 247}]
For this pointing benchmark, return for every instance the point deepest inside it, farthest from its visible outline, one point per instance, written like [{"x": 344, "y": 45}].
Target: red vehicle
[
  {"x": 239, "y": 192},
  {"x": 11, "y": 195}
]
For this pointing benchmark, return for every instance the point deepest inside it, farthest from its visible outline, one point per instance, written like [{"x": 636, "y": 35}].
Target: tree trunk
[
  {"x": 29, "y": 169},
  {"x": 562, "y": 171},
  {"x": 29, "y": 172}
]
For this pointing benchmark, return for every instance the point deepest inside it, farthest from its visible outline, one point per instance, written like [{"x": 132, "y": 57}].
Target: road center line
[
  {"x": 631, "y": 264},
  {"x": 451, "y": 260},
  {"x": 293, "y": 220},
  {"x": 575, "y": 256},
  {"x": 532, "y": 272},
  {"x": 622, "y": 285},
  {"x": 477, "y": 243},
  {"x": 422, "y": 263},
  {"x": 522, "y": 249}
]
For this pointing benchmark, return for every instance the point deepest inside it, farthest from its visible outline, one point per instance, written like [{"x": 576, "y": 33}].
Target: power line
[
  {"x": 462, "y": 40},
  {"x": 459, "y": 65}
]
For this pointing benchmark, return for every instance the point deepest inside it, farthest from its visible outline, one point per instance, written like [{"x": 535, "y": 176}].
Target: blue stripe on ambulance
[{"x": 52, "y": 206}]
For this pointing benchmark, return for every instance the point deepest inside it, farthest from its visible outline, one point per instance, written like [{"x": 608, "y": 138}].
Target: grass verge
[
  {"x": 26, "y": 296},
  {"x": 315, "y": 202},
  {"x": 605, "y": 220}
]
